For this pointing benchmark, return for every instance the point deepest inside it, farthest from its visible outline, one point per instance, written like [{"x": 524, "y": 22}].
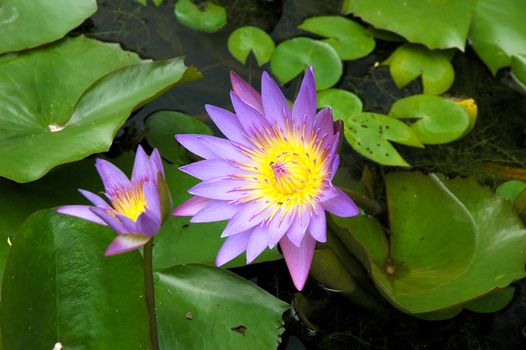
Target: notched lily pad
[
  {"x": 209, "y": 19},
  {"x": 370, "y": 135},
  {"x": 350, "y": 40},
  {"x": 343, "y": 102},
  {"x": 293, "y": 56},
  {"x": 435, "y": 120},
  {"x": 246, "y": 39},
  {"x": 408, "y": 62}
]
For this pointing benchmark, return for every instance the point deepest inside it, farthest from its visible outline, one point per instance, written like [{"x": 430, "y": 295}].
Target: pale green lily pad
[
  {"x": 498, "y": 32},
  {"x": 201, "y": 307},
  {"x": 70, "y": 99},
  {"x": 435, "y": 24},
  {"x": 518, "y": 69},
  {"x": 511, "y": 189},
  {"x": 438, "y": 119},
  {"x": 293, "y": 56},
  {"x": 248, "y": 39},
  {"x": 370, "y": 135},
  {"x": 408, "y": 62},
  {"x": 342, "y": 102},
  {"x": 492, "y": 302},
  {"x": 350, "y": 40},
  {"x": 27, "y": 24},
  {"x": 210, "y": 19}
]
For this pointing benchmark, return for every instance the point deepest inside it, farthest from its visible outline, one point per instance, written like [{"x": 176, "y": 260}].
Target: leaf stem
[{"x": 150, "y": 293}]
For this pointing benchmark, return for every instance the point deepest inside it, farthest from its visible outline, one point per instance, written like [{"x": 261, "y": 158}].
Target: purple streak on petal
[
  {"x": 191, "y": 206},
  {"x": 297, "y": 229},
  {"x": 93, "y": 198},
  {"x": 125, "y": 243},
  {"x": 224, "y": 149},
  {"x": 246, "y": 92},
  {"x": 334, "y": 166},
  {"x": 298, "y": 260},
  {"x": 339, "y": 203},
  {"x": 129, "y": 225},
  {"x": 211, "y": 168},
  {"x": 257, "y": 242},
  {"x": 148, "y": 224},
  {"x": 156, "y": 162},
  {"x": 304, "y": 107},
  {"x": 277, "y": 227},
  {"x": 228, "y": 123},
  {"x": 232, "y": 247},
  {"x": 80, "y": 211},
  {"x": 216, "y": 211},
  {"x": 153, "y": 201},
  {"x": 110, "y": 219},
  {"x": 112, "y": 177},
  {"x": 250, "y": 119},
  {"x": 323, "y": 121},
  {"x": 142, "y": 169},
  {"x": 248, "y": 216},
  {"x": 194, "y": 143},
  {"x": 318, "y": 224},
  {"x": 222, "y": 189},
  {"x": 277, "y": 109}
]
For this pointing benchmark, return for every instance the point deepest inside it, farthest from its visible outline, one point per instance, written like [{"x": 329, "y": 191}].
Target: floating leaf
[
  {"x": 498, "y": 32},
  {"x": 142, "y": 2},
  {"x": 62, "y": 289},
  {"x": 350, "y": 40},
  {"x": 293, "y": 56},
  {"x": 343, "y": 102},
  {"x": 385, "y": 35},
  {"x": 435, "y": 24},
  {"x": 76, "y": 107},
  {"x": 369, "y": 134},
  {"x": 408, "y": 62},
  {"x": 210, "y": 19},
  {"x": 438, "y": 119},
  {"x": 493, "y": 302},
  {"x": 249, "y": 38},
  {"x": 162, "y": 127},
  {"x": 201, "y": 307},
  {"x": 518, "y": 69},
  {"x": 26, "y": 24},
  {"x": 511, "y": 189}
]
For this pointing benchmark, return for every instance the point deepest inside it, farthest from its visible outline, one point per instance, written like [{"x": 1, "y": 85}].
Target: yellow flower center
[{"x": 130, "y": 202}]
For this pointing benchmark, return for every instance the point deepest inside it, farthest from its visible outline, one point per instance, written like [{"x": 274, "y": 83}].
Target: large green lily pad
[
  {"x": 437, "y": 24},
  {"x": 408, "y": 62},
  {"x": 342, "y": 102},
  {"x": 248, "y": 39},
  {"x": 201, "y": 307},
  {"x": 67, "y": 101},
  {"x": 370, "y": 135},
  {"x": 59, "y": 288},
  {"x": 498, "y": 32},
  {"x": 518, "y": 69},
  {"x": 26, "y": 24}
]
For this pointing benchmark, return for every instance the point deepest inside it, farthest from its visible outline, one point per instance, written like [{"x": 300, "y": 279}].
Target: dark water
[{"x": 497, "y": 138}]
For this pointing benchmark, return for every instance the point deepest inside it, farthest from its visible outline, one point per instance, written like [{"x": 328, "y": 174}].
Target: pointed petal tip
[{"x": 125, "y": 243}]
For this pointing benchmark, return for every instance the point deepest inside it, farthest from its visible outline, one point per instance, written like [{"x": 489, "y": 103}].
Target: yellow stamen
[{"x": 130, "y": 202}]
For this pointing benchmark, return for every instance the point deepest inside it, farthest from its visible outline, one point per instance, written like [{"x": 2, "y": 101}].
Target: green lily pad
[
  {"x": 511, "y": 189},
  {"x": 435, "y": 24},
  {"x": 162, "y": 127},
  {"x": 385, "y": 35},
  {"x": 201, "y": 307},
  {"x": 350, "y": 40},
  {"x": 343, "y": 102},
  {"x": 408, "y": 62},
  {"x": 293, "y": 56},
  {"x": 498, "y": 32},
  {"x": 209, "y": 19},
  {"x": 246, "y": 39},
  {"x": 63, "y": 290},
  {"x": 370, "y": 135},
  {"x": 518, "y": 69},
  {"x": 69, "y": 100},
  {"x": 493, "y": 302},
  {"x": 438, "y": 119},
  {"x": 27, "y": 24}
]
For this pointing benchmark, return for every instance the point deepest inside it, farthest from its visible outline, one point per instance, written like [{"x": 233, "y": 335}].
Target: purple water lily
[
  {"x": 138, "y": 207},
  {"x": 272, "y": 178}
]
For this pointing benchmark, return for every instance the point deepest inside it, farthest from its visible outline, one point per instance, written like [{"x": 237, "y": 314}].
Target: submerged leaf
[
  {"x": 246, "y": 39},
  {"x": 210, "y": 19},
  {"x": 343, "y": 102}
]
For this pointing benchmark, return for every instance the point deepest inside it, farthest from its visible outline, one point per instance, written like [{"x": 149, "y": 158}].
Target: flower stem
[{"x": 150, "y": 293}]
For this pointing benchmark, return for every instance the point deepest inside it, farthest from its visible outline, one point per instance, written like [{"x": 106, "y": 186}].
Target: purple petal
[
  {"x": 257, "y": 242},
  {"x": 339, "y": 203},
  {"x": 111, "y": 220},
  {"x": 297, "y": 229},
  {"x": 277, "y": 228},
  {"x": 247, "y": 93},
  {"x": 112, "y": 177},
  {"x": 191, "y": 206},
  {"x": 80, "y": 211},
  {"x": 248, "y": 216},
  {"x": 216, "y": 211},
  {"x": 334, "y": 166},
  {"x": 276, "y": 107},
  {"x": 210, "y": 168},
  {"x": 323, "y": 122},
  {"x": 250, "y": 119},
  {"x": 125, "y": 243},
  {"x": 298, "y": 259},
  {"x": 148, "y": 224},
  {"x": 228, "y": 123},
  {"x": 223, "y": 148},
  {"x": 93, "y": 198},
  {"x": 153, "y": 201},
  {"x": 318, "y": 225},
  {"x": 194, "y": 143},
  {"x": 304, "y": 107},
  {"x": 142, "y": 168},
  {"x": 156, "y": 162},
  {"x": 233, "y": 246},
  {"x": 222, "y": 189}
]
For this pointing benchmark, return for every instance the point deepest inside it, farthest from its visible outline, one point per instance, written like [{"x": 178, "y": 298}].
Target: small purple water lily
[
  {"x": 272, "y": 178},
  {"x": 138, "y": 207}
]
